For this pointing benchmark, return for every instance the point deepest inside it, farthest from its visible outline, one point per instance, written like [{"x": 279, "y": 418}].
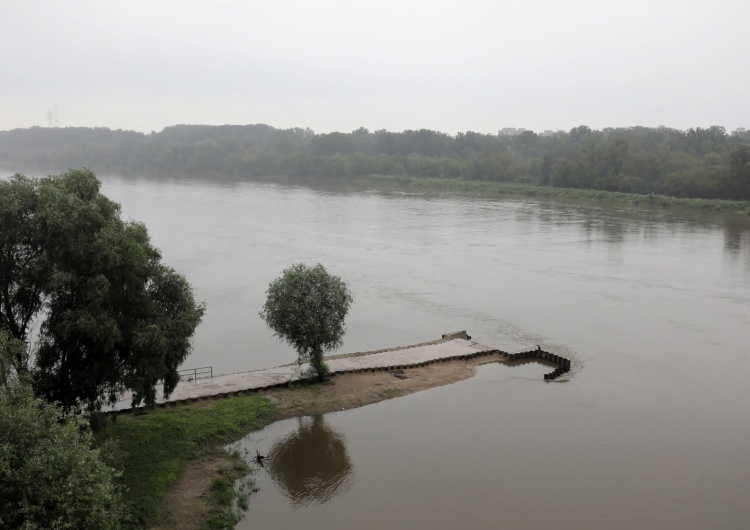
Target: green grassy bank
[
  {"x": 153, "y": 449},
  {"x": 533, "y": 191},
  {"x": 486, "y": 188}
]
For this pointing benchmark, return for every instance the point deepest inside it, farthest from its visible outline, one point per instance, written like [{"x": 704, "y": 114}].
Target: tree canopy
[
  {"x": 12, "y": 353},
  {"x": 306, "y": 307},
  {"x": 112, "y": 316},
  {"x": 50, "y": 474},
  {"x": 696, "y": 163}
]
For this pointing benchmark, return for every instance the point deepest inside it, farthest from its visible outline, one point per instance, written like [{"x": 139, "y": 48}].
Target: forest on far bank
[{"x": 697, "y": 163}]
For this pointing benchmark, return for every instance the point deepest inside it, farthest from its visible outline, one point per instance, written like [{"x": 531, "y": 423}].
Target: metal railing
[{"x": 193, "y": 374}]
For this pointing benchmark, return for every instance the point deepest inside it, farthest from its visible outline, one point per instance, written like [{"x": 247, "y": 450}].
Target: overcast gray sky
[{"x": 408, "y": 64}]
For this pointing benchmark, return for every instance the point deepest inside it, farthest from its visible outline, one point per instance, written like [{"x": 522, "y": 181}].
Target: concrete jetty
[
  {"x": 456, "y": 345},
  {"x": 451, "y": 346}
]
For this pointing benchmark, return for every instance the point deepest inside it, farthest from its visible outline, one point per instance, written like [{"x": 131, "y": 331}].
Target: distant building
[
  {"x": 510, "y": 131},
  {"x": 740, "y": 130}
]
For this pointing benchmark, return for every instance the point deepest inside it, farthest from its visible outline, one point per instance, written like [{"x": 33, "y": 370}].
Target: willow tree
[
  {"x": 306, "y": 307},
  {"x": 112, "y": 316}
]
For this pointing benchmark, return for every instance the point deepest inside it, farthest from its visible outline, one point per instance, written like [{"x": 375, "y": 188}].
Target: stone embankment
[
  {"x": 563, "y": 364},
  {"x": 451, "y": 346}
]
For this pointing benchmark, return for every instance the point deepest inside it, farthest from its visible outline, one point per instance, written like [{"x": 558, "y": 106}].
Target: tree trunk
[{"x": 318, "y": 364}]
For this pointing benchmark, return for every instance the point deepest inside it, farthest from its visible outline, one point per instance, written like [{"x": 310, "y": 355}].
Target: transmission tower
[{"x": 52, "y": 116}]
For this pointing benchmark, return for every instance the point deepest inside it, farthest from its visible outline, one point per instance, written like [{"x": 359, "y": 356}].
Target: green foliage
[
  {"x": 228, "y": 501},
  {"x": 635, "y": 159},
  {"x": 50, "y": 476},
  {"x": 22, "y": 265},
  {"x": 306, "y": 307},
  {"x": 156, "y": 446},
  {"x": 113, "y": 316},
  {"x": 529, "y": 190},
  {"x": 739, "y": 171},
  {"x": 12, "y": 359}
]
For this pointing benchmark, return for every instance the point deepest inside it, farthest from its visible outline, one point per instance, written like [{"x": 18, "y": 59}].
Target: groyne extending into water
[{"x": 450, "y": 347}]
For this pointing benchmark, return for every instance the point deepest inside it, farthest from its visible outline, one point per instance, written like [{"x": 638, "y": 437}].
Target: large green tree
[
  {"x": 112, "y": 316},
  {"x": 306, "y": 307},
  {"x": 51, "y": 476}
]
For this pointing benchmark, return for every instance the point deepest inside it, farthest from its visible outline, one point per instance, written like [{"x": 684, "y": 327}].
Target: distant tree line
[{"x": 696, "y": 163}]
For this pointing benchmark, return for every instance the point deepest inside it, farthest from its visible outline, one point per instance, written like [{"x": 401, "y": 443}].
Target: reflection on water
[
  {"x": 310, "y": 465},
  {"x": 654, "y": 303},
  {"x": 737, "y": 243},
  {"x": 498, "y": 451}
]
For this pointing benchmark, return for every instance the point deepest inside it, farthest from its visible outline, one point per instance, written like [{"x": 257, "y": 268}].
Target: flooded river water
[{"x": 652, "y": 432}]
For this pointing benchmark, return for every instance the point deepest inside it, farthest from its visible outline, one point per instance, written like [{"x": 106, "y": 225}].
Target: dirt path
[{"x": 185, "y": 503}]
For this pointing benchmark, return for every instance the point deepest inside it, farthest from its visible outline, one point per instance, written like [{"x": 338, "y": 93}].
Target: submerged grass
[
  {"x": 155, "y": 447},
  {"x": 531, "y": 190},
  {"x": 487, "y": 187},
  {"x": 228, "y": 501}
]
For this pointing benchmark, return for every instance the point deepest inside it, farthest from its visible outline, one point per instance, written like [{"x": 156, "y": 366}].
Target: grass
[
  {"x": 310, "y": 382},
  {"x": 391, "y": 392},
  {"x": 486, "y": 187},
  {"x": 534, "y": 191},
  {"x": 228, "y": 501},
  {"x": 155, "y": 447}
]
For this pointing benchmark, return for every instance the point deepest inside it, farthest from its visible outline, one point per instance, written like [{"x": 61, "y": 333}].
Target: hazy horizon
[
  {"x": 337, "y": 66},
  {"x": 156, "y": 131}
]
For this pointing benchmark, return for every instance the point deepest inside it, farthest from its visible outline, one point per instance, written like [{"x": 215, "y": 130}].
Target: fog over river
[{"x": 651, "y": 432}]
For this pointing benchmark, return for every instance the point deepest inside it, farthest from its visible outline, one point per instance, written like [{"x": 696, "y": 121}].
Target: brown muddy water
[{"x": 651, "y": 432}]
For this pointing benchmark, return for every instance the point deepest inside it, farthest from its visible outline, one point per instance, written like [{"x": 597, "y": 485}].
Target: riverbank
[
  {"x": 418, "y": 184},
  {"x": 490, "y": 188},
  {"x": 449, "y": 346},
  {"x": 486, "y": 188},
  {"x": 174, "y": 460}
]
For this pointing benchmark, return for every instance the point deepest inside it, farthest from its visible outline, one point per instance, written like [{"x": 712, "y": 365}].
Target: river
[{"x": 652, "y": 432}]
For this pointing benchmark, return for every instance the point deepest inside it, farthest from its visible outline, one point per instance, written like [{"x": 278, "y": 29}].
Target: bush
[{"x": 50, "y": 474}]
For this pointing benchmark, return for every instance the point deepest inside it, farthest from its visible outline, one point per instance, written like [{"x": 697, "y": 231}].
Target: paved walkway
[{"x": 449, "y": 348}]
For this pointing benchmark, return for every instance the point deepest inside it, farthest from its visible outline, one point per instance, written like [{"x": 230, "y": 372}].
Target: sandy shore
[{"x": 185, "y": 502}]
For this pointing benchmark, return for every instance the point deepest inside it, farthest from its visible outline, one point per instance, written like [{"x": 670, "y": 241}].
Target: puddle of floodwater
[
  {"x": 309, "y": 462},
  {"x": 310, "y": 470},
  {"x": 505, "y": 450}
]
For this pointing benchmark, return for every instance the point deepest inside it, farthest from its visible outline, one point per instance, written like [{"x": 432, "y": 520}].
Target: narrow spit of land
[
  {"x": 186, "y": 502},
  {"x": 450, "y": 346},
  {"x": 175, "y": 457}
]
